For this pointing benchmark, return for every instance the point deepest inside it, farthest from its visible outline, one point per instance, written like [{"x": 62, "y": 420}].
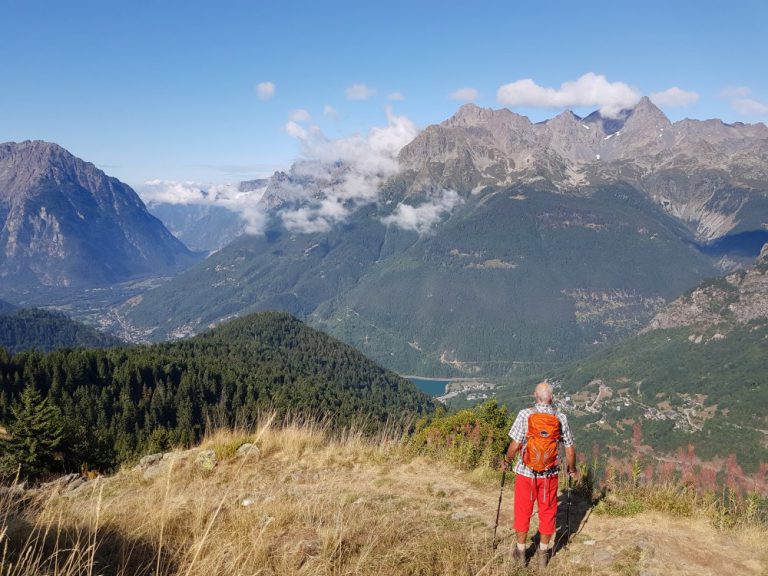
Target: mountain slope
[
  {"x": 33, "y": 329},
  {"x": 516, "y": 277},
  {"x": 63, "y": 222},
  {"x": 695, "y": 375},
  {"x": 522, "y": 278},
  {"x": 277, "y": 270},
  {"x": 560, "y": 236},
  {"x": 118, "y": 403}
]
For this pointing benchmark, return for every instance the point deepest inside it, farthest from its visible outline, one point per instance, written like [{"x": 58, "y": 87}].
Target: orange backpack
[{"x": 540, "y": 452}]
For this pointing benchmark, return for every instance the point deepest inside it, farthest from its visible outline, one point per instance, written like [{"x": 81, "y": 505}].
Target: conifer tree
[{"x": 35, "y": 433}]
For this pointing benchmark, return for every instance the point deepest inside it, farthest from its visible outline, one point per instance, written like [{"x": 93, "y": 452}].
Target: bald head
[{"x": 543, "y": 393}]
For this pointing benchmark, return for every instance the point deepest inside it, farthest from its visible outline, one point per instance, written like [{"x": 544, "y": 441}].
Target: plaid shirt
[{"x": 520, "y": 429}]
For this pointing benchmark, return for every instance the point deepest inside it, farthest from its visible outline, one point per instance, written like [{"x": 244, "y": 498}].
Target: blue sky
[{"x": 167, "y": 90}]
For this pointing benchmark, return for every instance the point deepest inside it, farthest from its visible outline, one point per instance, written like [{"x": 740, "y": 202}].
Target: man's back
[{"x": 519, "y": 433}]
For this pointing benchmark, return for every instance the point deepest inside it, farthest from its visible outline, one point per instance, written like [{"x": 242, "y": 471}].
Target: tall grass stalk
[{"x": 309, "y": 501}]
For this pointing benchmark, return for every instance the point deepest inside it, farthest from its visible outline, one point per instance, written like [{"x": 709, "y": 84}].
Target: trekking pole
[
  {"x": 568, "y": 508},
  {"x": 498, "y": 510}
]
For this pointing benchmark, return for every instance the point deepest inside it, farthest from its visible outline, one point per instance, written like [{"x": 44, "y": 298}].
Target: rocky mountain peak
[
  {"x": 471, "y": 115},
  {"x": 63, "y": 222},
  {"x": 565, "y": 118},
  {"x": 39, "y": 153},
  {"x": 480, "y": 147},
  {"x": 39, "y": 150},
  {"x": 29, "y": 160},
  {"x": 646, "y": 106},
  {"x": 645, "y": 116}
]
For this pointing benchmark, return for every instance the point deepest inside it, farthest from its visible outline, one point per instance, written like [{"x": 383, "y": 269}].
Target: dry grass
[{"x": 308, "y": 502}]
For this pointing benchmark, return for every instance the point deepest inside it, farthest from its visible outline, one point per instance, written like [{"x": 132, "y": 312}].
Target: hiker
[{"x": 537, "y": 431}]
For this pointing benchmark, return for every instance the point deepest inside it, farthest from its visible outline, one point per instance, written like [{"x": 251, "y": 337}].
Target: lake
[{"x": 432, "y": 386}]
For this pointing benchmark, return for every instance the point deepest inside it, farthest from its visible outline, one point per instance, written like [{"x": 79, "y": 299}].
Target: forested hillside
[
  {"x": 33, "y": 329},
  {"x": 112, "y": 405},
  {"x": 516, "y": 279},
  {"x": 695, "y": 375}
]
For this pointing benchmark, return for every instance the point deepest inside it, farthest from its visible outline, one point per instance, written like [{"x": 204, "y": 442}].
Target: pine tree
[{"x": 36, "y": 432}]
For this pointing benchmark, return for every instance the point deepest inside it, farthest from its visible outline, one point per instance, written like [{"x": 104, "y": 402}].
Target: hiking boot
[
  {"x": 544, "y": 556},
  {"x": 518, "y": 557}
]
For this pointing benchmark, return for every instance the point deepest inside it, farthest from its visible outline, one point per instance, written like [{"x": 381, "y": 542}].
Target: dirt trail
[
  {"x": 647, "y": 544},
  {"x": 659, "y": 544},
  {"x": 321, "y": 498}
]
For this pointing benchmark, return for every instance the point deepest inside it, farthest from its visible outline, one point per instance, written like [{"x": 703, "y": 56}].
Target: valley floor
[{"x": 299, "y": 502}]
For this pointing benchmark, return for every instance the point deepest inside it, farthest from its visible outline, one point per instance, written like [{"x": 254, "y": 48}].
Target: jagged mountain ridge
[
  {"x": 708, "y": 174},
  {"x": 551, "y": 252},
  {"x": 64, "y": 223}
]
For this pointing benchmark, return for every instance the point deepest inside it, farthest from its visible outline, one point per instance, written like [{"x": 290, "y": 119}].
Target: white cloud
[
  {"x": 423, "y": 217},
  {"x": 330, "y": 111},
  {"x": 265, "y": 90},
  {"x": 465, "y": 94},
  {"x": 589, "y": 90},
  {"x": 395, "y": 96},
  {"x": 171, "y": 192},
  {"x": 359, "y": 92},
  {"x": 300, "y": 115},
  {"x": 749, "y": 107},
  {"x": 374, "y": 153},
  {"x": 296, "y": 130},
  {"x": 735, "y": 92},
  {"x": 342, "y": 175},
  {"x": 741, "y": 103},
  {"x": 247, "y": 204},
  {"x": 674, "y": 97},
  {"x": 333, "y": 179}
]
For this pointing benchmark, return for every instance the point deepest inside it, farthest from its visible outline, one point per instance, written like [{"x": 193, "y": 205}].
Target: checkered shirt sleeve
[
  {"x": 565, "y": 430},
  {"x": 520, "y": 427}
]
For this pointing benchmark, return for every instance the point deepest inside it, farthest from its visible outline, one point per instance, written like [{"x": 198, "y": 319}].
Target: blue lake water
[{"x": 430, "y": 386}]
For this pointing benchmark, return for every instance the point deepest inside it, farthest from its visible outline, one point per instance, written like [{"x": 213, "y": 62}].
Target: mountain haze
[
  {"x": 205, "y": 218},
  {"x": 201, "y": 227}
]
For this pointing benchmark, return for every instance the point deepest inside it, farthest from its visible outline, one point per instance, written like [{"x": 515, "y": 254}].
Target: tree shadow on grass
[{"x": 60, "y": 548}]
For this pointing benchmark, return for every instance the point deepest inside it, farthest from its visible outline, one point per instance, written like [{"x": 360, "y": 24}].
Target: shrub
[{"x": 469, "y": 438}]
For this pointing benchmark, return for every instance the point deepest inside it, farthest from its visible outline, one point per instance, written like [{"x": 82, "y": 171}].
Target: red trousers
[{"x": 530, "y": 490}]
